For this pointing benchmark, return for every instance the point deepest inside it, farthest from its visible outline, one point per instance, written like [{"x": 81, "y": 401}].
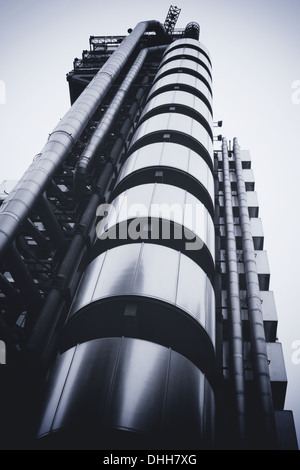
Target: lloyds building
[{"x": 134, "y": 286}]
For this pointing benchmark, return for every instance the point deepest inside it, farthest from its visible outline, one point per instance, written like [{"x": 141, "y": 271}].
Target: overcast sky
[{"x": 255, "y": 52}]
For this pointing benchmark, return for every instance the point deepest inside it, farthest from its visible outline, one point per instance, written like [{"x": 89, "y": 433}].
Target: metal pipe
[
  {"x": 24, "y": 281},
  {"x": 58, "y": 194},
  {"x": 34, "y": 232},
  {"x": 106, "y": 122},
  {"x": 120, "y": 143},
  {"x": 41, "y": 342},
  {"x": 268, "y": 438},
  {"x": 18, "y": 204},
  {"x": 104, "y": 178},
  {"x": 234, "y": 308},
  {"x": 13, "y": 296},
  {"x": 50, "y": 222}
]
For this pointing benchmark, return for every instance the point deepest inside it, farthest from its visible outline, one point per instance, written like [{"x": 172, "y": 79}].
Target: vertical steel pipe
[
  {"x": 66, "y": 133},
  {"x": 258, "y": 340},
  {"x": 102, "y": 129},
  {"x": 234, "y": 307},
  {"x": 104, "y": 125},
  {"x": 50, "y": 222},
  {"x": 23, "y": 280}
]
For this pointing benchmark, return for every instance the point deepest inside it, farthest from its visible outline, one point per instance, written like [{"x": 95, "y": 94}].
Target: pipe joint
[{"x": 61, "y": 131}]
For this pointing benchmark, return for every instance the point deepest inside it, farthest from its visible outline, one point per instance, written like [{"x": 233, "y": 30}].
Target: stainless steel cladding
[
  {"x": 144, "y": 290},
  {"x": 178, "y": 128},
  {"x": 183, "y": 81},
  {"x": 179, "y": 107},
  {"x": 161, "y": 213},
  {"x": 189, "y": 66},
  {"x": 184, "y": 102},
  {"x": 124, "y": 393},
  {"x": 155, "y": 292},
  {"x": 175, "y": 165},
  {"x": 191, "y": 44}
]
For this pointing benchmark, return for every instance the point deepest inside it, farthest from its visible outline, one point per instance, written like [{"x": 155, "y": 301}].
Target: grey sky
[{"x": 255, "y": 49}]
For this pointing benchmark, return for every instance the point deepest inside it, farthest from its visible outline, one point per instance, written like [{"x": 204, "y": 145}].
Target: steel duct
[
  {"x": 16, "y": 207},
  {"x": 258, "y": 340},
  {"x": 234, "y": 314},
  {"x": 103, "y": 127}
]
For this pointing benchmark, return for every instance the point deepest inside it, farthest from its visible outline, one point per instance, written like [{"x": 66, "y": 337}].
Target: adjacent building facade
[{"x": 135, "y": 300}]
